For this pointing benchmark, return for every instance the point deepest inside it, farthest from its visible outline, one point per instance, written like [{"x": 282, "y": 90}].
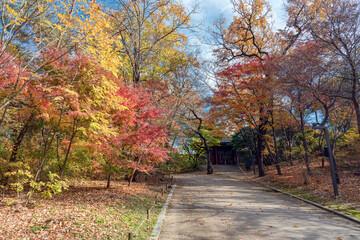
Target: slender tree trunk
[
  {"x": 274, "y": 158},
  {"x": 209, "y": 166},
  {"x": 354, "y": 94},
  {"x": 74, "y": 131},
  {"x": 20, "y": 138},
  {"x": 136, "y": 73},
  {"x": 337, "y": 176},
  {"x": 48, "y": 146},
  {"x": 57, "y": 152},
  {"x": 253, "y": 160},
  {"x": 278, "y": 168},
  {"x": 16, "y": 146},
  {"x": 108, "y": 181},
  {"x": 3, "y": 115},
  {"x": 255, "y": 150},
  {"x": 290, "y": 156},
  {"x": 357, "y": 112},
  {"x": 288, "y": 139},
  {"x": 210, "y": 169},
  {"x": 137, "y": 159},
  {"x": 302, "y": 123},
  {"x": 132, "y": 177},
  {"x": 259, "y": 155},
  {"x": 285, "y": 146},
  {"x": 260, "y": 141},
  {"x": 322, "y": 154},
  {"x": 285, "y": 152}
]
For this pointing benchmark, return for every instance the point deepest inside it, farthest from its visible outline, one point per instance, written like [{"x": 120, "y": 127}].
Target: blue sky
[{"x": 210, "y": 10}]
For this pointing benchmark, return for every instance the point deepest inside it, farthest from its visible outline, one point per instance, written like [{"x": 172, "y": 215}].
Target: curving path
[{"x": 221, "y": 206}]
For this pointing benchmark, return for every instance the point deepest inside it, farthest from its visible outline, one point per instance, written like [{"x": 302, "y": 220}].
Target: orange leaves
[
  {"x": 249, "y": 35},
  {"x": 243, "y": 88}
]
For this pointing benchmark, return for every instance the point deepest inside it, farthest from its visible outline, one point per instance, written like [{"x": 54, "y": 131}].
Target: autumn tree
[
  {"x": 246, "y": 96},
  {"x": 335, "y": 26},
  {"x": 28, "y": 28},
  {"x": 149, "y": 33},
  {"x": 248, "y": 36}
]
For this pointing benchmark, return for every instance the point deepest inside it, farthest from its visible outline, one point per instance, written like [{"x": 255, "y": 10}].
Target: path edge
[
  {"x": 156, "y": 231},
  {"x": 305, "y": 200}
]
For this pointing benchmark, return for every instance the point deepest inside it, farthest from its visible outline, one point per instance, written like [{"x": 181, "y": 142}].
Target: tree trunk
[
  {"x": 321, "y": 150},
  {"x": 254, "y": 148},
  {"x": 108, "y": 181},
  {"x": 274, "y": 158},
  {"x": 132, "y": 177},
  {"x": 354, "y": 92},
  {"x": 337, "y": 176},
  {"x": 48, "y": 146},
  {"x": 305, "y": 143},
  {"x": 20, "y": 138},
  {"x": 210, "y": 169},
  {"x": 16, "y": 146},
  {"x": 357, "y": 112},
  {"x": 278, "y": 168},
  {"x": 209, "y": 166},
  {"x": 253, "y": 160},
  {"x": 259, "y": 155},
  {"x": 74, "y": 131},
  {"x": 3, "y": 115},
  {"x": 288, "y": 139},
  {"x": 260, "y": 141},
  {"x": 136, "y": 73}
]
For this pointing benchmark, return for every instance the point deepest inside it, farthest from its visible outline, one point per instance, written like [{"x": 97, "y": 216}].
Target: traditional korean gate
[{"x": 222, "y": 155}]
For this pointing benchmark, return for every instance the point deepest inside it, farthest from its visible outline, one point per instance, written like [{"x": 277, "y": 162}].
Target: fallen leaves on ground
[
  {"x": 319, "y": 185},
  {"x": 86, "y": 210}
]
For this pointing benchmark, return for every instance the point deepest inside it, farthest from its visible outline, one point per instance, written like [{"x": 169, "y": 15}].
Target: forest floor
[
  {"x": 87, "y": 210},
  {"x": 319, "y": 186}
]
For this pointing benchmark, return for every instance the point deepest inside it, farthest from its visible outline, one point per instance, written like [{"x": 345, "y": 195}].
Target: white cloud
[{"x": 210, "y": 10}]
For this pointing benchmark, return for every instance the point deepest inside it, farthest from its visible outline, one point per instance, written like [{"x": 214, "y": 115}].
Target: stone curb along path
[
  {"x": 305, "y": 200},
  {"x": 156, "y": 231}
]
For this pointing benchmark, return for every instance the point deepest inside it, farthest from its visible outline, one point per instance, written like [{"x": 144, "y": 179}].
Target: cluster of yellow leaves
[{"x": 97, "y": 39}]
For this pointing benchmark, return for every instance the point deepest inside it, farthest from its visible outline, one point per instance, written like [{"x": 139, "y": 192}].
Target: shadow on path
[{"x": 222, "y": 206}]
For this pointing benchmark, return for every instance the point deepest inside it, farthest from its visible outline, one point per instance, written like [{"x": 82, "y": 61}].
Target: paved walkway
[{"x": 221, "y": 206}]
